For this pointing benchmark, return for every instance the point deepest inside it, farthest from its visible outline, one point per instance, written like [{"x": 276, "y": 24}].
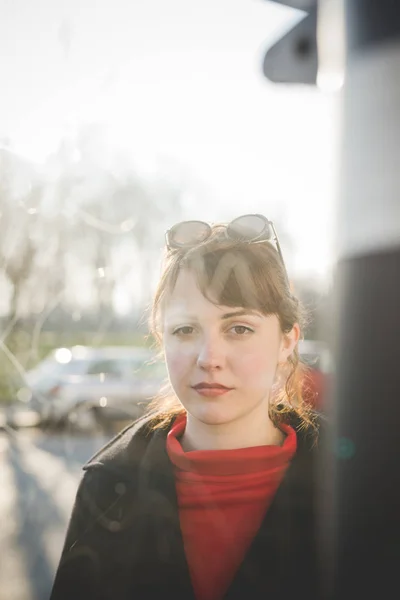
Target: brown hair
[{"x": 237, "y": 274}]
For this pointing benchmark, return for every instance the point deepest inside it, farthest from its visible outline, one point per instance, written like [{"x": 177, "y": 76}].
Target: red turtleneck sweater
[{"x": 223, "y": 496}]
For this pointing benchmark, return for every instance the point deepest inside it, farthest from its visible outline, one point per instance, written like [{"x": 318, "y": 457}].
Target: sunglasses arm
[{"x": 278, "y": 247}]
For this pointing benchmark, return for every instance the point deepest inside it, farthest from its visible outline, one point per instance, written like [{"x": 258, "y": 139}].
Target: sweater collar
[
  {"x": 229, "y": 462},
  {"x": 140, "y": 446}
]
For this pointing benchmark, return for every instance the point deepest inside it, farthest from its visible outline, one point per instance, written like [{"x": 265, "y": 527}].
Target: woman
[{"x": 211, "y": 495}]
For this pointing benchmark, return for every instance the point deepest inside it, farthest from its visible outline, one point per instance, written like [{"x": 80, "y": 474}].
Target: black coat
[{"x": 124, "y": 539}]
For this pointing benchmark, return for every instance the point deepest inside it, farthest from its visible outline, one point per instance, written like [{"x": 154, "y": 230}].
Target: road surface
[{"x": 39, "y": 475}]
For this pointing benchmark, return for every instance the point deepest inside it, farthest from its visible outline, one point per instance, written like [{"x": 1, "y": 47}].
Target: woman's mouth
[{"x": 211, "y": 390}]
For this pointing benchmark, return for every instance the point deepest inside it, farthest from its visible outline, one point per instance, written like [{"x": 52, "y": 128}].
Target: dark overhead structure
[
  {"x": 363, "y": 528},
  {"x": 294, "y": 58}
]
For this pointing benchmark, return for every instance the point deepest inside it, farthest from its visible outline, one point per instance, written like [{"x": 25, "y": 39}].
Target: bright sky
[{"x": 178, "y": 81}]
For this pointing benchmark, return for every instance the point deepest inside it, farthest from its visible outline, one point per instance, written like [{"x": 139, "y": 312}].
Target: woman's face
[{"x": 221, "y": 360}]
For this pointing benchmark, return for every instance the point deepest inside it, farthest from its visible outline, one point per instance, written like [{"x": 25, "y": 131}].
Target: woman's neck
[{"x": 246, "y": 432}]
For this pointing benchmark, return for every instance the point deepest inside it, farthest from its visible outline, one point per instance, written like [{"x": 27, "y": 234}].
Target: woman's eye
[
  {"x": 185, "y": 330},
  {"x": 241, "y": 330}
]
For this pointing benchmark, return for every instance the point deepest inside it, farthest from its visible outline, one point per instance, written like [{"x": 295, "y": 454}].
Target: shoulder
[
  {"x": 122, "y": 459},
  {"x": 311, "y": 471},
  {"x": 314, "y": 445},
  {"x": 124, "y": 450},
  {"x": 108, "y": 492}
]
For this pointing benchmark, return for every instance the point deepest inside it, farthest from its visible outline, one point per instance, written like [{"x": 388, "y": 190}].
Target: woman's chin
[{"x": 213, "y": 414}]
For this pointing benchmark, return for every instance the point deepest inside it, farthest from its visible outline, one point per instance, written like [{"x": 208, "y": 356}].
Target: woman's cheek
[
  {"x": 178, "y": 363},
  {"x": 251, "y": 362},
  {"x": 257, "y": 364}
]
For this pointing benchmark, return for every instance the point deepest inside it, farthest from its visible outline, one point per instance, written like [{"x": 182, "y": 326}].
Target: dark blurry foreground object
[
  {"x": 82, "y": 387},
  {"x": 367, "y": 519},
  {"x": 363, "y": 539}
]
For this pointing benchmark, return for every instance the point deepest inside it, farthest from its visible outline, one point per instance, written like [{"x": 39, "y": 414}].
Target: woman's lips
[{"x": 211, "y": 391}]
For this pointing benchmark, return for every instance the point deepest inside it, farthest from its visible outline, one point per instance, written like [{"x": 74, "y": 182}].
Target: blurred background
[{"x": 118, "y": 119}]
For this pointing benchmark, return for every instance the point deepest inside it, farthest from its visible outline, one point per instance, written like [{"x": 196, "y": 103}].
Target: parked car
[{"x": 82, "y": 386}]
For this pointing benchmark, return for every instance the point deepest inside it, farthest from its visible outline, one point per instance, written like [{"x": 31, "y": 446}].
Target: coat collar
[{"x": 139, "y": 441}]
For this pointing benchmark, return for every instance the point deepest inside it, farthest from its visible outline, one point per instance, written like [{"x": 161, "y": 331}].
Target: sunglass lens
[
  {"x": 189, "y": 233},
  {"x": 249, "y": 227}
]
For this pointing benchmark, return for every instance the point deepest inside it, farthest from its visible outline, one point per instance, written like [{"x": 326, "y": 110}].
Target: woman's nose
[{"x": 211, "y": 355}]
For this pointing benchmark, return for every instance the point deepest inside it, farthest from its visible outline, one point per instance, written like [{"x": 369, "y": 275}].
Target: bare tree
[{"x": 18, "y": 219}]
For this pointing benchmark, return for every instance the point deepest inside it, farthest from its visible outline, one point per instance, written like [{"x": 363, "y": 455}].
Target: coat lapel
[{"x": 164, "y": 548}]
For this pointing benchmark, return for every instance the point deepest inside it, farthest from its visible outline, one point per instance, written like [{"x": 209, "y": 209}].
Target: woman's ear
[{"x": 289, "y": 343}]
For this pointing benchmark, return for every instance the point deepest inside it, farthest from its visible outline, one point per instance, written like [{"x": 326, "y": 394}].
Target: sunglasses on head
[{"x": 248, "y": 229}]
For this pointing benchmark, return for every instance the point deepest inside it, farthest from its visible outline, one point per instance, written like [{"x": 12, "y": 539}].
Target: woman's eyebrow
[{"x": 240, "y": 313}]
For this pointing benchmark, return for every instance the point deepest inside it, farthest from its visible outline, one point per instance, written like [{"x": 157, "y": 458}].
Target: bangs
[{"x": 237, "y": 278}]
